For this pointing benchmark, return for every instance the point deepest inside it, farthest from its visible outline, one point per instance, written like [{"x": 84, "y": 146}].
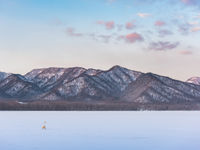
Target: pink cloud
[
  {"x": 195, "y": 29},
  {"x": 185, "y": 1},
  {"x": 131, "y": 38},
  {"x": 163, "y": 46},
  {"x": 130, "y": 25},
  {"x": 71, "y": 32},
  {"x": 143, "y": 15},
  {"x": 109, "y": 24},
  {"x": 188, "y": 1},
  {"x": 193, "y": 23},
  {"x": 160, "y": 23},
  {"x": 186, "y": 52}
]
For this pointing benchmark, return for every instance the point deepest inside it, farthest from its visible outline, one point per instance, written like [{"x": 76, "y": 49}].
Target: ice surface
[{"x": 100, "y": 130}]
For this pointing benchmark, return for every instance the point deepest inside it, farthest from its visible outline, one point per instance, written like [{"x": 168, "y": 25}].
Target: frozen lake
[{"x": 100, "y": 130}]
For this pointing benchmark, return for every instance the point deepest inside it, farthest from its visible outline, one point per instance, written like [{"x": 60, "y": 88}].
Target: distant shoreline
[{"x": 93, "y": 106}]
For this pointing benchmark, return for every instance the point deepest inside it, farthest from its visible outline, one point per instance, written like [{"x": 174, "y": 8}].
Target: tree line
[{"x": 94, "y": 106}]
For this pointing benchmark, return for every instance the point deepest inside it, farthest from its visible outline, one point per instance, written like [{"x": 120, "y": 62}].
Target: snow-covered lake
[{"x": 100, "y": 130}]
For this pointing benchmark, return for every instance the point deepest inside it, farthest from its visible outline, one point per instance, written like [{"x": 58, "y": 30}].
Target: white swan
[{"x": 44, "y": 126}]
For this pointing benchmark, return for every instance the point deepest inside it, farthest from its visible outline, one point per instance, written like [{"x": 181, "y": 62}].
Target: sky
[{"x": 159, "y": 36}]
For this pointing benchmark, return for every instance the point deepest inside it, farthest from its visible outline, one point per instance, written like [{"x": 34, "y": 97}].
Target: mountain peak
[
  {"x": 78, "y": 83},
  {"x": 3, "y": 75},
  {"x": 194, "y": 80},
  {"x": 116, "y": 67}
]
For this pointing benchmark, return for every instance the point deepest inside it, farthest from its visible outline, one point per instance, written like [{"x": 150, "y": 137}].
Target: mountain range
[{"x": 80, "y": 84}]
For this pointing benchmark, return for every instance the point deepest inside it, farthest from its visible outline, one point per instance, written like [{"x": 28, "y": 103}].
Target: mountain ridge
[
  {"x": 80, "y": 84},
  {"x": 194, "y": 80}
]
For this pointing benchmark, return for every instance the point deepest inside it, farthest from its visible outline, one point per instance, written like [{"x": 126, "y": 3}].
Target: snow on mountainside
[
  {"x": 17, "y": 86},
  {"x": 49, "y": 77},
  {"x": 195, "y": 80},
  {"x": 43, "y": 77},
  {"x": 98, "y": 85},
  {"x": 117, "y": 83},
  {"x": 153, "y": 88},
  {"x": 3, "y": 75},
  {"x": 92, "y": 72}
]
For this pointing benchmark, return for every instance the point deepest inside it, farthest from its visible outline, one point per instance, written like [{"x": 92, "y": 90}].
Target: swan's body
[{"x": 43, "y": 127}]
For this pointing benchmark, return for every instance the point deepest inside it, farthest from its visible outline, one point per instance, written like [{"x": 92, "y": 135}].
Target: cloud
[
  {"x": 160, "y": 23},
  {"x": 189, "y": 2},
  {"x": 195, "y": 29},
  {"x": 193, "y": 23},
  {"x": 184, "y": 28},
  {"x": 130, "y": 25},
  {"x": 108, "y": 25},
  {"x": 163, "y": 46},
  {"x": 131, "y": 38},
  {"x": 71, "y": 32},
  {"x": 194, "y": 3},
  {"x": 105, "y": 38},
  {"x": 186, "y": 52},
  {"x": 143, "y": 15},
  {"x": 188, "y": 27},
  {"x": 183, "y": 25},
  {"x": 92, "y": 36},
  {"x": 119, "y": 27},
  {"x": 186, "y": 1},
  {"x": 163, "y": 33}
]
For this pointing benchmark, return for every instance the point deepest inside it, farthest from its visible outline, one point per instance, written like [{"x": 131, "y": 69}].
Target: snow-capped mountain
[
  {"x": 195, "y": 80},
  {"x": 3, "y": 75},
  {"x": 82, "y": 84},
  {"x": 154, "y": 88},
  {"x": 47, "y": 78},
  {"x": 17, "y": 86}
]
